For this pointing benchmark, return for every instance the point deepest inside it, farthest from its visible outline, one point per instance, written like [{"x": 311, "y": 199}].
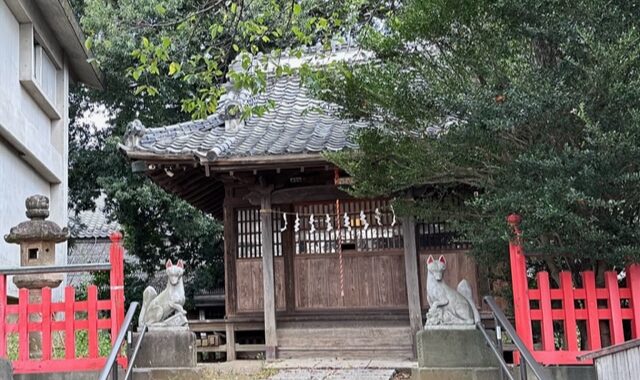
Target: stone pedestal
[
  {"x": 454, "y": 354},
  {"x": 166, "y": 349}
]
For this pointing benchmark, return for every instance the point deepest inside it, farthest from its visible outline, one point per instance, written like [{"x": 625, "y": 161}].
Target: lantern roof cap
[{"x": 37, "y": 228}]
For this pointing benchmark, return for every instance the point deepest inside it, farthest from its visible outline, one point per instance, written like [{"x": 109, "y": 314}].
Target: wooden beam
[
  {"x": 225, "y": 164},
  {"x": 205, "y": 190},
  {"x": 270, "y": 337},
  {"x": 192, "y": 177},
  {"x": 411, "y": 274},
  {"x": 308, "y": 194}
]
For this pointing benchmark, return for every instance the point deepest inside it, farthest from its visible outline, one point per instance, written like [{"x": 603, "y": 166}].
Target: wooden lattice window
[
  {"x": 249, "y": 233},
  {"x": 438, "y": 236},
  {"x": 377, "y": 231}
]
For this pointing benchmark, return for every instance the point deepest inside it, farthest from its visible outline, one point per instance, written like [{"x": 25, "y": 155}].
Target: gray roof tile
[
  {"x": 297, "y": 124},
  {"x": 92, "y": 224}
]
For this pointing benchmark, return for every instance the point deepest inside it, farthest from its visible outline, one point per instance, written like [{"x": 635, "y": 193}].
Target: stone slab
[
  {"x": 65, "y": 376},
  {"x": 453, "y": 349},
  {"x": 168, "y": 374},
  {"x": 333, "y": 374},
  {"x": 455, "y": 374},
  {"x": 6, "y": 372},
  {"x": 340, "y": 363},
  {"x": 565, "y": 372},
  {"x": 166, "y": 349}
]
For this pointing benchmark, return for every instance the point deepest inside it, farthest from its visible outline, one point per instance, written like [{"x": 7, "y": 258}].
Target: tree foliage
[
  {"x": 191, "y": 44},
  {"x": 529, "y": 107},
  {"x": 166, "y": 61},
  {"x": 533, "y": 106}
]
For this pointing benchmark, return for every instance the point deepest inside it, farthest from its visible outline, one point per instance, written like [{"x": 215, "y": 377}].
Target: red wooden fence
[
  {"x": 536, "y": 309},
  {"x": 49, "y": 317}
]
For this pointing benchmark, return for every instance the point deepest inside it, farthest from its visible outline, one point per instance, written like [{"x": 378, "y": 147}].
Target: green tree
[
  {"x": 165, "y": 61},
  {"x": 157, "y": 225},
  {"x": 530, "y": 107}
]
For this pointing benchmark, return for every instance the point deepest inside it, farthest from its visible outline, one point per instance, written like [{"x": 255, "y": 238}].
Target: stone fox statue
[
  {"x": 157, "y": 308},
  {"x": 446, "y": 305}
]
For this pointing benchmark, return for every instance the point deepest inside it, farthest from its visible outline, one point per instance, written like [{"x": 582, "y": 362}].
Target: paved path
[
  {"x": 303, "y": 369},
  {"x": 333, "y": 374},
  {"x": 340, "y": 364},
  {"x": 335, "y": 369}
]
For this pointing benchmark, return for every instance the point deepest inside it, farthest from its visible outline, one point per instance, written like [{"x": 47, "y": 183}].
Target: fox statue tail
[
  {"x": 465, "y": 289},
  {"x": 148, "y": 296}
]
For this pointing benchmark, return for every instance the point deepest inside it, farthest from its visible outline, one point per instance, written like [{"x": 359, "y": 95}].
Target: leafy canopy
[
  {"x": 165, "y": 61},
  {"x": 530, "y": 107}
]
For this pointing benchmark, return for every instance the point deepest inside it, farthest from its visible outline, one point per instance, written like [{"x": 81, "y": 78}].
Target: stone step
[
  {"x": 238, "y": 369},
  {"x": 338, "y": 336},
  {"x": 196, "y": 373},
  {"x": 347, "y": 352},
  {"x": 486, "y": 373}
]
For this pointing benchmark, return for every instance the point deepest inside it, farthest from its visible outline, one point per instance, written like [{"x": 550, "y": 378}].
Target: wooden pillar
[
  {"x": 230, "y": 236},
  {"x": 412, "y": 277},
  {"x": 231, "y": 341},
  {"x": 271, "y": 339}
]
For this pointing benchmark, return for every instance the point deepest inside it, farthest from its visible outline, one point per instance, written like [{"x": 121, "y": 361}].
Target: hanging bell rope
[{"x": 340, "y": 261}]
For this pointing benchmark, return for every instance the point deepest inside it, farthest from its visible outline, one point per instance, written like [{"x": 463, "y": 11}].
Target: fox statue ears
[
  {"x": 169, "y": 264},
  {"x": 441, "y": 259}
]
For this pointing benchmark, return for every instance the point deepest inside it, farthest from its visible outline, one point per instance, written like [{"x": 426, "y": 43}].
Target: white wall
[{"x": 33, "y": 147}]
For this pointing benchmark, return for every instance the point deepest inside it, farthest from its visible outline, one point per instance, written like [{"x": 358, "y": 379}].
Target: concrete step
[
  {"x": 455, "y": 373},
  {"x": 345, "y": 341},
  {"x": 195, "y": 373},
  {"x": 237, "y": 370},
  {"x": 347, "y": 353}
]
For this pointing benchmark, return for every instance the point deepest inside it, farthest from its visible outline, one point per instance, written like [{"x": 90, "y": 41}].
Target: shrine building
[{"x": 323, "y": 274}]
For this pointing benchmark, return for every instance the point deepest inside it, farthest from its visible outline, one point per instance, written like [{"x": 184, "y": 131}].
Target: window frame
[{"x": 33, "y": 51}]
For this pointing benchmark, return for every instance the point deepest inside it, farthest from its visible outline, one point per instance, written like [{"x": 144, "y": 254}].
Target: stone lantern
[{"x": 37, "y": 238}]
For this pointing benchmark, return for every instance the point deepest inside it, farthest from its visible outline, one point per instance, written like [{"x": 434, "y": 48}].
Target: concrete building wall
[{"x": 33, "y": 125}]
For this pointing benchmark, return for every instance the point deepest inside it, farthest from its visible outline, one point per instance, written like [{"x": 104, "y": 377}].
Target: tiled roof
[
  {"x": 86, "y": 252},
  {"x": 297, "y": 124},
  {"x": 92, "y": 224}
]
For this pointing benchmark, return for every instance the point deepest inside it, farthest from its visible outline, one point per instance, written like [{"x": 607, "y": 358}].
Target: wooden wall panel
[
  {"x": 278, "y": 271},
  {"x": 459, "y": 266},
  {"x": 371, "y": 281},
  {"x": 249, "y": 280}
]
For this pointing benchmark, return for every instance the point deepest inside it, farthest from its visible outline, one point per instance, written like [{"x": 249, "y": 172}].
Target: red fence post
[
  {"x": 519, "y": 283},
  {"x": 92, "y": 320},
  {"x": 23, "y": 324},
  {"x": 617, "y": 332},
  {"x": 568, "y": 304},
  {"x": 46, "y": 323},
  {"x": 3, "y": 315},
  {"x": 116, "y": 258},
  {"x": 593, "y": 320},
  {"x": 546, "y": 323},
  {"x": 633, "y": 283},
  {"x": 69, "y": 323}
]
